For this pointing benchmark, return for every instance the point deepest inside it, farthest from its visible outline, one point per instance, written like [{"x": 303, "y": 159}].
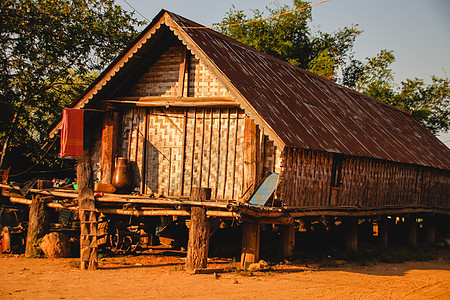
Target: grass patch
[{"x": 74, "y": 263}]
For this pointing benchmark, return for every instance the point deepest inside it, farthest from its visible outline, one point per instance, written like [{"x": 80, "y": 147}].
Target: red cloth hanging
[{"x": 72, "y": 133}]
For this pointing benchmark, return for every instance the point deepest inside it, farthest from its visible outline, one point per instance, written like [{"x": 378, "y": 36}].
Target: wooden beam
[
  {"x": 183, "y": 66},
  {"x": 177, "y": 102},
  {"x": 250, "y": 156},
  {"x": 179, "y": 99},
  {"x": 250, "y": 243},
  {"x": 110, "y": 134},
  {"x": 198, "y": 246}
]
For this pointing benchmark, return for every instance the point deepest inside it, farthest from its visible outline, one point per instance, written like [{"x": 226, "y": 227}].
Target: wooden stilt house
[{"x": 189, "y": 107}]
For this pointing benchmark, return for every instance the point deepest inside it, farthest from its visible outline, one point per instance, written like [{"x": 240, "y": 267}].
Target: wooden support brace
[
  {"x": 198, "y": 245},
  {"x": 250, "y": 243}
]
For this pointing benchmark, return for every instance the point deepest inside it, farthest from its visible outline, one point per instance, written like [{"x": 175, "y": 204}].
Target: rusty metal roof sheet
[{"x": 308, "y": 111}]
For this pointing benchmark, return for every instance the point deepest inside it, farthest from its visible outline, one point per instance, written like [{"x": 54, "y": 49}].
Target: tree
[
  {"x": 377, "y": 79},
  {"x": 50, "y": 52},
  {"x": 289, "y": 38},
  {"x": 428, "y": 103}
]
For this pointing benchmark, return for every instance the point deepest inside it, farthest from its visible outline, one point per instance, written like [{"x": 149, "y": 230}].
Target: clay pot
[{"x": 122, "y": 178}]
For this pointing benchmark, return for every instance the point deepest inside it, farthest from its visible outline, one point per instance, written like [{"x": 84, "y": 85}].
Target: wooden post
[
  {"x": 288, "y": 239},
  {"x": 351, "y": 233},
  {"x": 250, "y": 243},
  {"x": 198, "y": 245},
  {"x": 109, "y": 145},
  {"x": 411, "y": 227},
  {"x": 429, "y": 224},
  {"x": 87, "y": 213},
  {"x": 383, "y": 225},
  {"x": 250, "y": 157},
  {"x": 38, "y": 225},
  {"x": 6, "y": 243}
]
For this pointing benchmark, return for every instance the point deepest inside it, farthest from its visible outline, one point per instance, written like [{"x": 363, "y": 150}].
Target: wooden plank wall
[{"x": 306, "y": 180}]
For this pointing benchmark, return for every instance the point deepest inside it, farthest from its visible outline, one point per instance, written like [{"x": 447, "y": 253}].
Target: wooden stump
[
  {"x": 250, "y": 244},
  {"x": 351, "y": 233},
  {"x": 198, "y": 245},
  {"x": 288, "y": 239},
  {"x": 87, "y": 213},
  {"x": 6, "y": 240},
  {"x": 38, "y": 226}
]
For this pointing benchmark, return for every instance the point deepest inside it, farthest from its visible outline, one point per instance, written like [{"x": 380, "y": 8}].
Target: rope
[{"x": 253, "y": 21}]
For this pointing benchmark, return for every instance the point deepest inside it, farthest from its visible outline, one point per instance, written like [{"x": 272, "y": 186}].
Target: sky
[{"x": 417, "y": 30}]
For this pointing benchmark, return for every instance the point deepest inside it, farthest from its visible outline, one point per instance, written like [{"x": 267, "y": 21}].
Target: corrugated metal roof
[
  {"x": 303, "y": 109},
  {"x": 308, "y": 111}
]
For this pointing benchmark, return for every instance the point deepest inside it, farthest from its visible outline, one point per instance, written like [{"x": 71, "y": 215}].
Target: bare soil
[{"x": 158, "y": 276}]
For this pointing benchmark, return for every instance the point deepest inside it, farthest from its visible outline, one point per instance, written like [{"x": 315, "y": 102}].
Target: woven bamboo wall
[
  {"x": 162, "y": 77},
  {"x": 209, "y": 155},
  {"x": 192, "y": 147},
  {"x": 307, "y": 179}
]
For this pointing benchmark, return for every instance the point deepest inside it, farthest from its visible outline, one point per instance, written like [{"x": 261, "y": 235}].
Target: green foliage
[
  {"x": 289, "y": 38},
  {"x": 50, "y": 52},
  {"x": 428, "y": 103}
]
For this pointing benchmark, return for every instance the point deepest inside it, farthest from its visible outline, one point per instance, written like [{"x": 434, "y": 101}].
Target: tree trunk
[
  {"x": 198, "y": 246},
  {"x": 88, "y": 215},
  {"x": 38, "y": 226}
]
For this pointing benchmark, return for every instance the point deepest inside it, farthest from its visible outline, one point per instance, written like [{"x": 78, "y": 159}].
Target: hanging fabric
[{"x": 72, "y": 133}]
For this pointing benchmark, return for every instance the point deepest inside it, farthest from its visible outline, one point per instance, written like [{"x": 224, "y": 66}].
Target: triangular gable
[
  {"x": 161, "y": 78},
  {"x": 165, "y": 18}
]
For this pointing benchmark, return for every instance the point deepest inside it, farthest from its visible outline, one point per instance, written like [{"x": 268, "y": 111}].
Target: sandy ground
[{"x": 162, "y": 277}]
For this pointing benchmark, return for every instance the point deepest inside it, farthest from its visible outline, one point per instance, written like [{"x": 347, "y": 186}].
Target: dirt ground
[{"x": 155, "y": 276}]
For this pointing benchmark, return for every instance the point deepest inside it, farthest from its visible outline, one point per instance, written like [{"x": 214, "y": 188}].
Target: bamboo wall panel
[
  {"x": 164, "y": 151},
  {"x": 214, "y": 147},
  {"x": 162, "y": 78},
  {"x": 364, "y": 182},
  {"x": 305, "y": 178},
  {"x": 210, "y": 154},
  {"x": 132, "y": 139}
]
